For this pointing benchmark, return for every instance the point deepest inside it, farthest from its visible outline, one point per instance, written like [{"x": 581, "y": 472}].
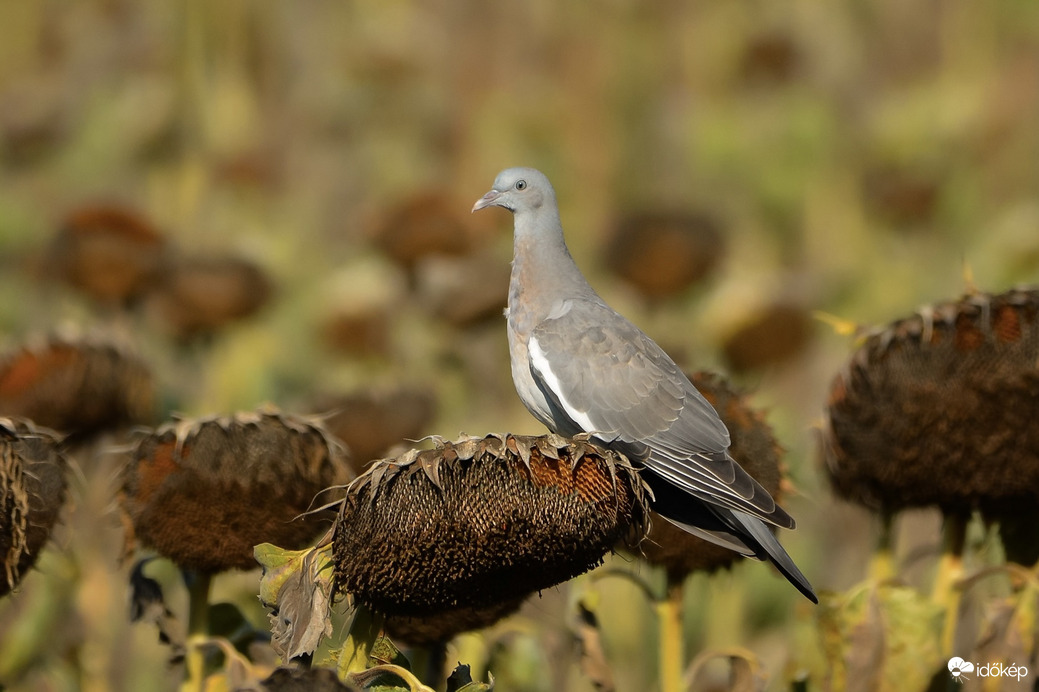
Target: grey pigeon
[{"x": 580, "y": 367}]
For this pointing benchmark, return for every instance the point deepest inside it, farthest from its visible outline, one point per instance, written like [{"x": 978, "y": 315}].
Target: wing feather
[{"x": 610, "y": 379}]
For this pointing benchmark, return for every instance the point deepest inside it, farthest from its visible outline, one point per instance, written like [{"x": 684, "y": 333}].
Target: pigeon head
[{"x": 518, "y": 189}]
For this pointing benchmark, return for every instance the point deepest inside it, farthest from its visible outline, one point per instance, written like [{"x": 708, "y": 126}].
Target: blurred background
[{"x": 844, "y": 157}]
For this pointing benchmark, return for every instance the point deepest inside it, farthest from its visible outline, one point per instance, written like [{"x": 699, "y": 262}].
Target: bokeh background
[{"x": 853, "y": 157}]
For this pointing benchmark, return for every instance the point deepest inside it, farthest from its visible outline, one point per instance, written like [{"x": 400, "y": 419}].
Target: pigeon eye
[{"x": 521, "y": 184}]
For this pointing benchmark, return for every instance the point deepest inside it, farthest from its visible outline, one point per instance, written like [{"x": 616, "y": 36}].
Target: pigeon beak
[{"x": 488, "y": 200}]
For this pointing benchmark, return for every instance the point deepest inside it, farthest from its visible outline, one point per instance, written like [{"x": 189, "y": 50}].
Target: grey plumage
[{"x": 579, "y": 366}]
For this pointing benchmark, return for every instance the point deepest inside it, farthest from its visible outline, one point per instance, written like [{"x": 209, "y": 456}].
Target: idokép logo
[{"x": 959, "y": 669}]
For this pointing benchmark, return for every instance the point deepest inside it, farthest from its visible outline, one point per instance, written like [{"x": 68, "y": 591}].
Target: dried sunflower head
[
  {"x": 445, "y": 625},
  {"x": 204, "y": 491},
  {"x": 754, "y": 447},
  {"x": 427, "y": 223},
  {"x": 939, "y": 408},
  {"x": 773, "y": 334},
  {"x": 110, "y": 253},
  {"x": 32, "y": 491},
  {"x": 76, "y": 385},
  {"x": 478, "y": 522},
  {"x": 197, "y": 296},
  {"x": 664, "y": 253}
]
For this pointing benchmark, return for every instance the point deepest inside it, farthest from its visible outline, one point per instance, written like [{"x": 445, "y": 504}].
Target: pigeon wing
[{"x": 604, "y": 376}]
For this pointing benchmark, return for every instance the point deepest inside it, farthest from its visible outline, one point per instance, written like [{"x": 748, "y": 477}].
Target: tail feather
[
  {"x": 766, "y": 547},
  {"x": 729, "y": 528}
]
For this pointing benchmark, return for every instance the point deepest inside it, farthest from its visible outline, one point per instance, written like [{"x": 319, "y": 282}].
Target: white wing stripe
[{"x": 539, "y": 362}]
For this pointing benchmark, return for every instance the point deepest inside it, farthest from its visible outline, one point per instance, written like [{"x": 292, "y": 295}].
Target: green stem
[
  {"x": 198, "y": 629},
  {"x": 198, "y": 603},
  {"x": 950, "y": 570},
  {"x": 431, "y": 660},
  {"x": 669, "y": 623},
  {"x": 882, "y": 565}
]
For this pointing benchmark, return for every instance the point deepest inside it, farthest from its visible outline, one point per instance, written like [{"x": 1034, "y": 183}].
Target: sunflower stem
[
  {"x": 669, "y": 623},
  {"x": 431, "y": 660},
  {"x": 198, "y": 629},
  {"x": 946, "y": 592},
  {"x": 882, "y": 565}
]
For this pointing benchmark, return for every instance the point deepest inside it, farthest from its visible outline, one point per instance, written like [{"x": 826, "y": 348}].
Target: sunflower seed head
[
  {"x": 473, "y": 524},
  {"x": 32, "y": 491},
  {"x": 938, "y": 408},
  {"x": 204, "y": 491}
]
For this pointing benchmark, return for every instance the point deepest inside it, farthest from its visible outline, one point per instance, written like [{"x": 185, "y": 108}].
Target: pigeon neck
[{"x": 542, "y": 265}]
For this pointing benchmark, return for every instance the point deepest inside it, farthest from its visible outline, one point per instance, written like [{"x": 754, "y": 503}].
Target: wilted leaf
[
  {"x": 460, "y": 677},
  {"x": 297, "y": 586},
  {"x": 880, "y": 638},
  {"x": 745, "y": 673},
  {"x": 148, "y": 605},
  {"x": 461, "y": 680},
  {"x": 385, "y": 652},
  {"x": 1010, "y": 630},
  {"x": 589, "y": 637}
]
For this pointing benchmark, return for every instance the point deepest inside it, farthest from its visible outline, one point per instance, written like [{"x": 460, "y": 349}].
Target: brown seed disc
[
  {"x": 777, "y": 333},
  {"x": 770, "y": 57},
  {"x": 203, "y": 492},
  {"x": 200, "y": 295},
  {"x": 901, "y": 195},
  {"x": 664, "y": 253},
  {"x": 481, "y": 521},
  {"x": 754, "y": 447},
  {"x": 940, "y": 409},
  {"x": 108, "y": 252},
  {"x": 445, "y": 625},
  {"x": 32, "y": 491},
  {"x": 427, "y": 223},
  {"x": 76, "y": 385}
]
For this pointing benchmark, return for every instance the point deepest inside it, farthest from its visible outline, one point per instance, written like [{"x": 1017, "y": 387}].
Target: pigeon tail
[{"x": 729, "y": 528}]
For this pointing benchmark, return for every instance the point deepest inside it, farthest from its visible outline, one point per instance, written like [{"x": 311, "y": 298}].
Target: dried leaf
[
  {"x": 466, "y": 449},
  {"x": 431, "y": 467},
  {"x": 494, "y": 445},
  {"x": 385, "y": 652},
  {"x": 593, "y": 656},
  {"x": 461, "y": 680},
  {"x": 745, "y": 673},
  {"x": 558, "y": 441},
  {"x": 550, "y": 447},
  {"x": 147, "y": 604},
  {"x": 1010, "y": 630},
  {"x": 297, "y": 586},
  {"x": 880, "y": 637},
  {"x": 377, "y": 472},
  {"x": 523, "y": 450}
]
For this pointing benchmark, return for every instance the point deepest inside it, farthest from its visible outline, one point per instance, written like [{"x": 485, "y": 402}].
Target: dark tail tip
[{"x": 766, "y": 547}]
